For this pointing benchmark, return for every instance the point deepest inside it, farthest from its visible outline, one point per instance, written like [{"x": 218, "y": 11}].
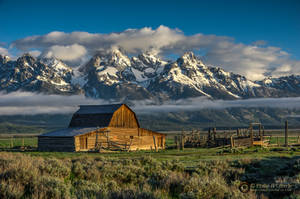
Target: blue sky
[
  {"x": 277, "y": 22},
  {"x": 273, "y": 21}
]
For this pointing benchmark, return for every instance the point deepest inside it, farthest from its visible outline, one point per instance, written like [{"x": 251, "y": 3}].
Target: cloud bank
[
  {"x": 200, "y": 103},
  {"x": 24, "y": 103},
  {"x": 255, "y": 60},
  {"x": 3, "y": 51}
]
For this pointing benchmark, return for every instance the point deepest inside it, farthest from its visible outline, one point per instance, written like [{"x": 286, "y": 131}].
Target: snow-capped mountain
[
  {"x": 110, "y": 76},
  {"x": 114, "y": 75},
  {"x": 49, "y": 76},
  {"x": 284, "y": 86}
]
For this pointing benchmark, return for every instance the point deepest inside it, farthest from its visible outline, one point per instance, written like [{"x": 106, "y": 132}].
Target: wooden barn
[{"x": 101, "y": 128}]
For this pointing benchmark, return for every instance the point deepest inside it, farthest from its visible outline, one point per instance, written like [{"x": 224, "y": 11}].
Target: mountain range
[{"x": 114, "y": 75}]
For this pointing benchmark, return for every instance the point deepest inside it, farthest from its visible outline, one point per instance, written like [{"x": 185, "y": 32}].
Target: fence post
[
  {"x": 286, "y": 134},
  {"x": 277, "y": 140},
  {"x": 180, "y": 142},
  {"x": 231, "y": 141},
  {"x": 215, "y": 133},
  {"x": 182, "y": 137},
  {"x": 209, "y": 134},
  {"x": 260, "y": 133},
  {"x": 177, "y": 142},
  {"x": 154, "y": 140},
  {"x": 251, "y": 134}
]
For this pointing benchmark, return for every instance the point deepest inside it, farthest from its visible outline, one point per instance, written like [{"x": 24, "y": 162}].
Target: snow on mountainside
[
  {"x": 30, "y": 74},
  {"x": 114, "y": 75},
  {"x": 109, "y": 76},
  {"x": 290, "y": 85},
  {"x": 189, "y": 77},
  {"x": 57, "y": 65}
]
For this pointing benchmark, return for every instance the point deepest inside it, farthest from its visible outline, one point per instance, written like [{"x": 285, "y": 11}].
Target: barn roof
[
  {"x": 98, "y": 109},
  {"x": 94, "y": 115},
  {"x": 69, "y": 132}
]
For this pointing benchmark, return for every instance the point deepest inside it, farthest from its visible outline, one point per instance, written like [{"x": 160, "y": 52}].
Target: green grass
[
  {"x": 281, "y": 140},
  {"x": 7, "y": 142},
  {"x": 188, "y": 156},
  {"x": 192, "y": 173}
]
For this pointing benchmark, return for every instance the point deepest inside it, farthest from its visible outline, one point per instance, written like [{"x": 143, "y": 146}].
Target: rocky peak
[
  {"x": 148, "y": 63},
  {"x": 189, "y": 61},
  {"x": 189, "y": 56},
  {"x": 267, "y": 81},
  {"x": 149, "y": 59},
  {"x": 4, "y": 59},
  {"x": 26, "y": 60},
  {"x": 55, "y": 64},
  {"x": 113, "y": 58}
]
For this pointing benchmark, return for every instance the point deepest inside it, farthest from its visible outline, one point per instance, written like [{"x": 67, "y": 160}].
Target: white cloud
[
  {"x": 287, "y": 67},
  {"x": 200, "y": 103},
  {"x": 254, "y": 61},
  {"x": 35, "y": 53},
  {"x": 67, "y": 53},
  {"x": 3, "y": 51},
  {"x": 25, "y": 103}
]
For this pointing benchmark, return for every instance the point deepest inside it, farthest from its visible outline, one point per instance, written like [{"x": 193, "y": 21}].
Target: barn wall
[
  {"x": 124, "y": 117},
  {"x": 56, "y": 144},
  {"x": 120, "y": 137}
]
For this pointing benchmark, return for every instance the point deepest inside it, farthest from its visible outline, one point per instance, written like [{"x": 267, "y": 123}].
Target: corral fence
[{"x": 242, "y": 137}]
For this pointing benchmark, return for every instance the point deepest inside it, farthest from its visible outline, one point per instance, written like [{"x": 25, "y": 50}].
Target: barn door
[
  {"x": 83, "y": 143},
  {"x": 159, "y": 141}
]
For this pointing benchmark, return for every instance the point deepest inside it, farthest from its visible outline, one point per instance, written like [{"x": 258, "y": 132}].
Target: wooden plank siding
[
  {"x": 124, "y": 117},
  {"x": 137, "y": 138}
]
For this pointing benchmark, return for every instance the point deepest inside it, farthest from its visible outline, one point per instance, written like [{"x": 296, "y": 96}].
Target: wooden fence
[{"x": 239, "y": 138}]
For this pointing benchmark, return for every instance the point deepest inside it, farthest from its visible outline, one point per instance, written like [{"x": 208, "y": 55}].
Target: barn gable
[{"x": 114, "y": 115}]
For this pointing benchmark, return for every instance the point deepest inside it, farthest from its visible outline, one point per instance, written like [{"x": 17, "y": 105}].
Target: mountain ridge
[{"x": 114, "y": 75}]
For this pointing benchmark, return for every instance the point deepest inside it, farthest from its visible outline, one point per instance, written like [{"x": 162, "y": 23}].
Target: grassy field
[
  {"x": 188, "y": 157},
  {"x": 191, "y": 173},
  {"x": 13, "y": 142},
  {"x": 8, "y": 141}
]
